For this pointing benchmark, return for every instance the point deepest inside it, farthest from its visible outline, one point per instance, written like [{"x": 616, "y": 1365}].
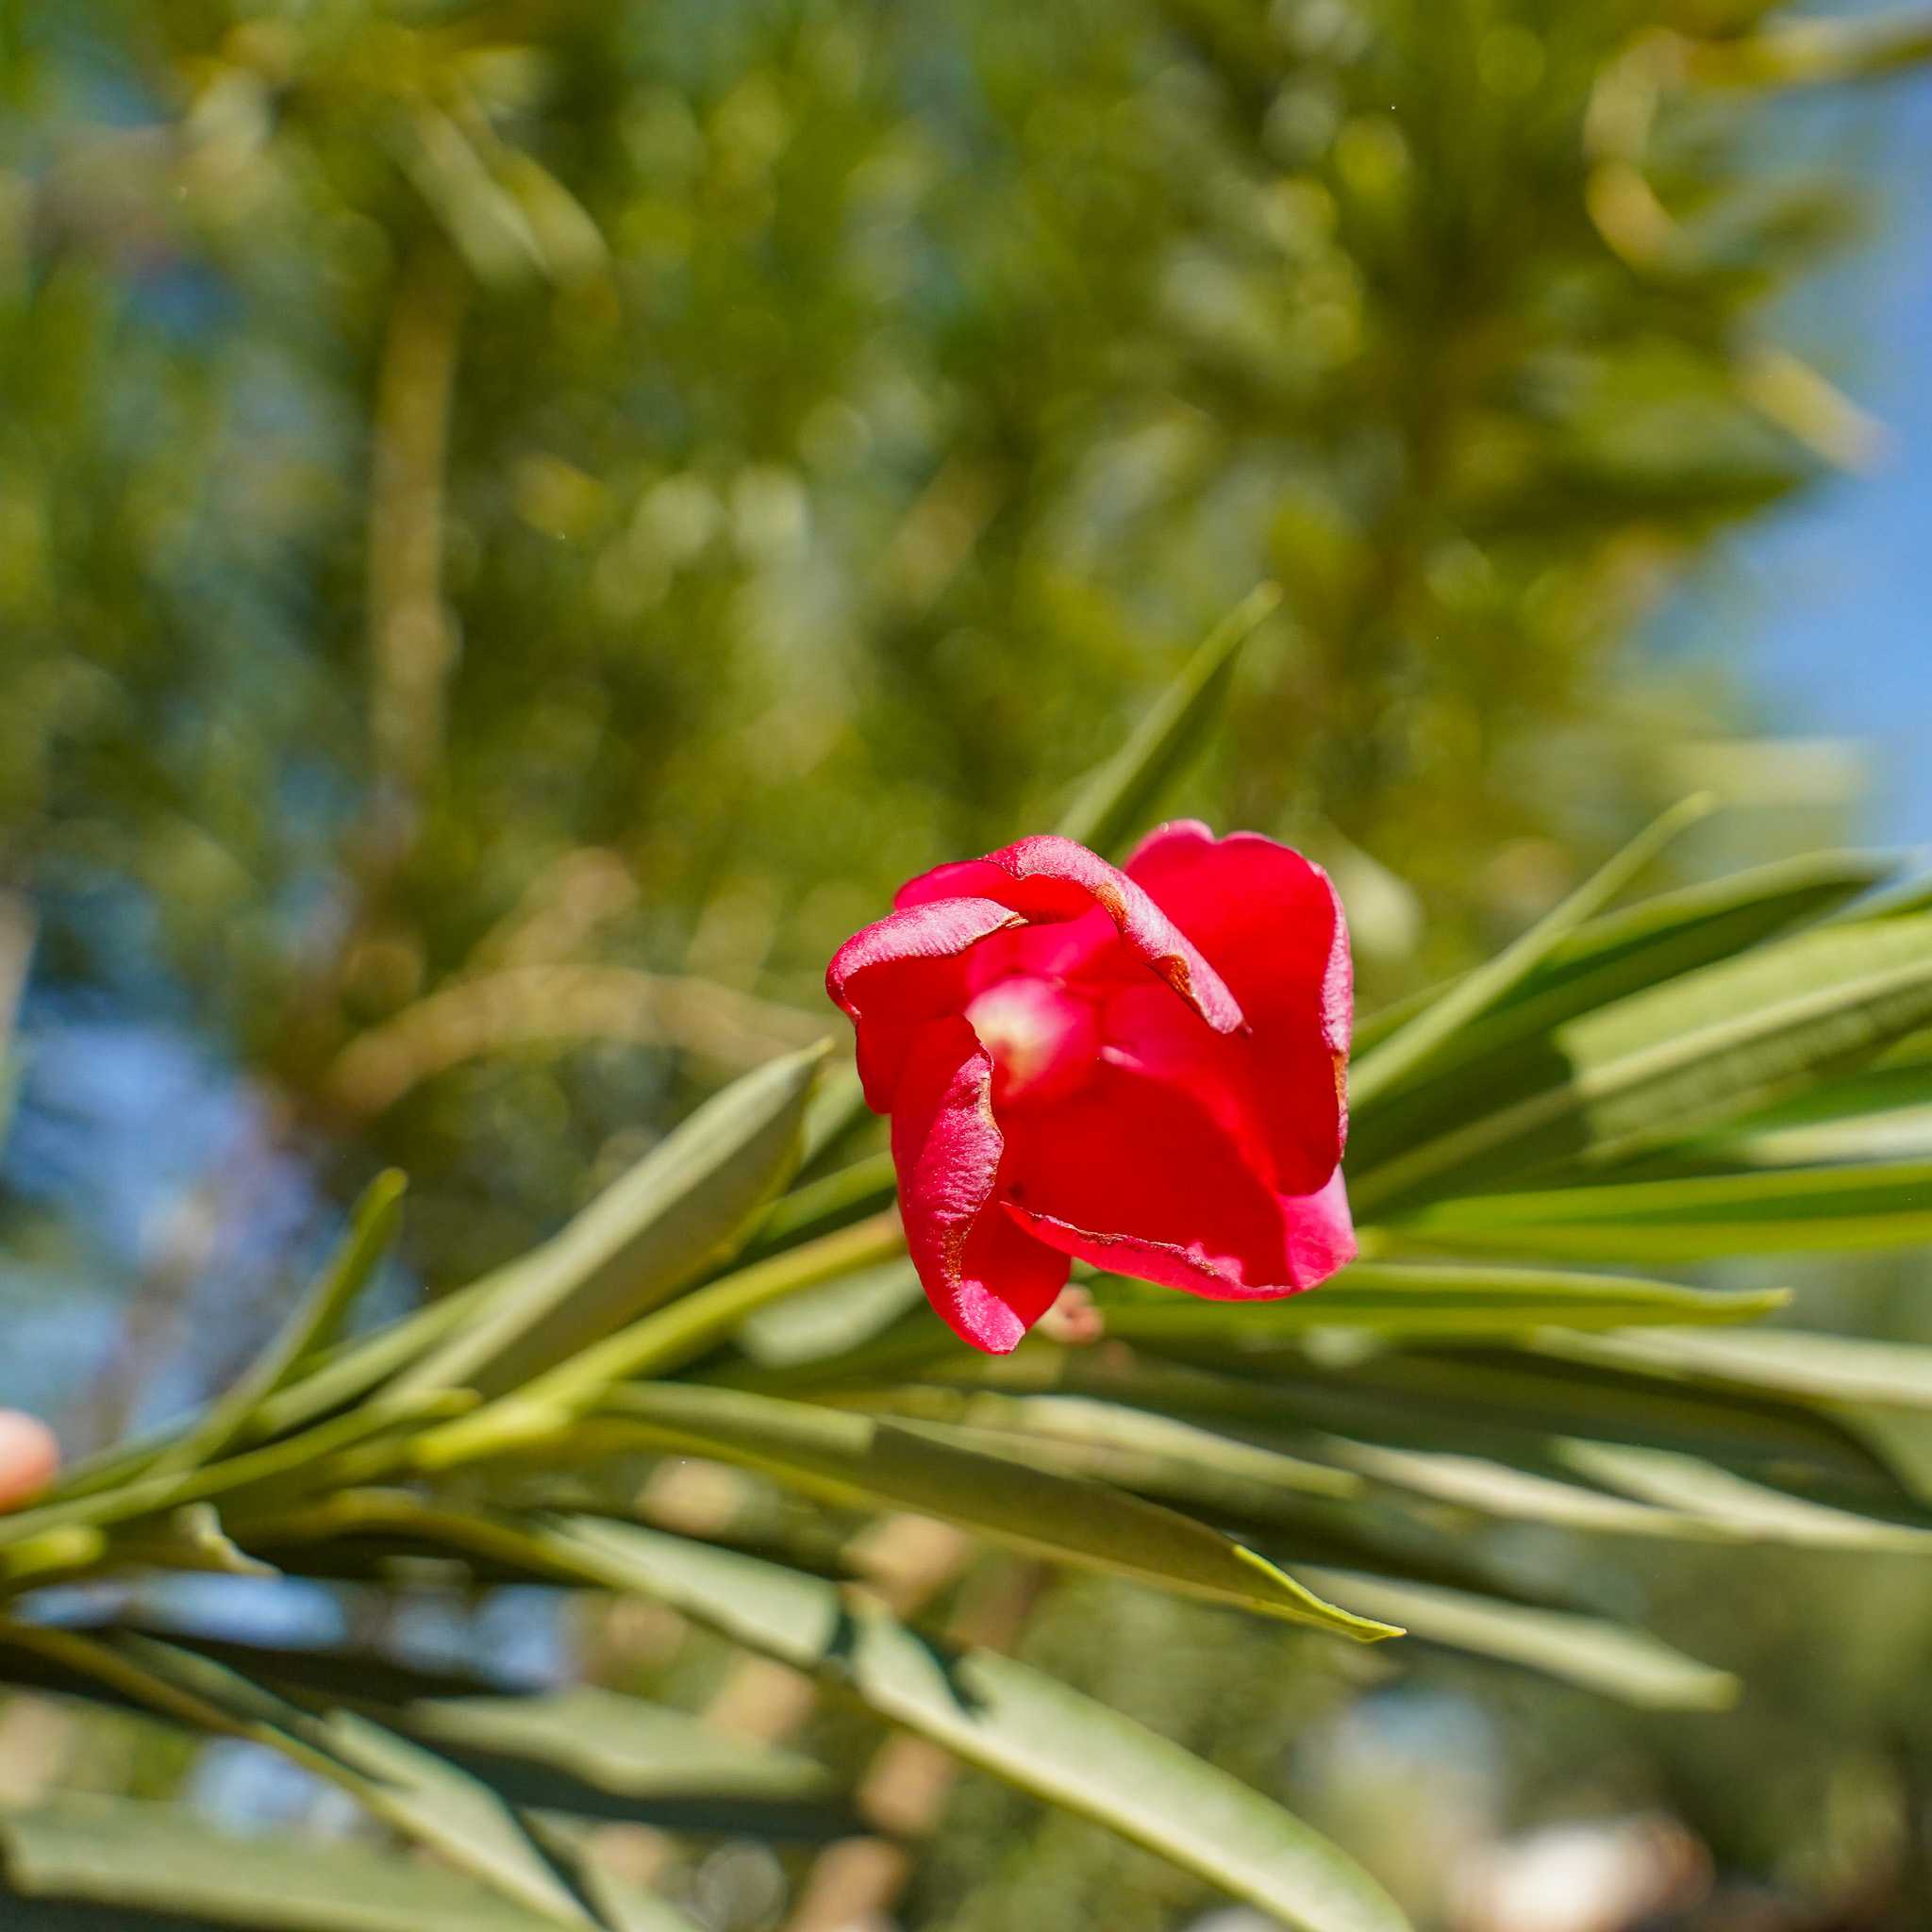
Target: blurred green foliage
[
  {"x": 520, "y": 524},
  {"x": 500, "y": 499}
]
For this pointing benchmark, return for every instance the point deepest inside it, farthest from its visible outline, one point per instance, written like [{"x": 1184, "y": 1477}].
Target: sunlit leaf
[
  {"x": 1007, "y": 1719},
  {"x": 1618, "y": 1662},
  {"x": 141, "y": 1855},
  {"x": 1694, "y": 1217},
  {"x": 1395, "y": 1059},
  {"x": 683, "y": 1208},
  {"x": 312, "y": 1325},
  {"x": 1665, "y": 1065},
  {"x": 414, "y": 1790},
  {"x": 858, "y": 1461},
  {"x": 1113, "y": 805}
]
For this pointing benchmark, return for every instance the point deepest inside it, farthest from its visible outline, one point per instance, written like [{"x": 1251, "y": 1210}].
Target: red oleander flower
[{"x": 1141, "y": 1068}]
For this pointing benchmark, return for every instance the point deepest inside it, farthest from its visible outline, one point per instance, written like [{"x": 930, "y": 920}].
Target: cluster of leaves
[{"x": 1737, "y": 1067}]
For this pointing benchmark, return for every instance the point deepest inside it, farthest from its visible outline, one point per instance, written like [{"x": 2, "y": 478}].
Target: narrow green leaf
[
  {"x": 1241, "y": 1472},
  {"x": 1509, "y": 1054},
  {"x": 1663, "y": 937},
  {"x": 665, "y": 1763},
  {"x": 304, "y": 1675},
  {"x": 856, "y": 1460},
  {"x": 1914, "y": 894},
  {"x": 1109, "y": 807},
  {"x": 1398, "y": 1056},
  {"x": 1376, "y": 1302},
  {"x": 655, "y": 1344},
  {"x": 1503, "y": 1404},
  {"x": 1651, "y": 941},
  {"x": 619, "y": 1744},
  {"x": 1502, "y": 1489},
  {"x": 1007, "y": 1718},
  {"x": 1652, "y": 1492},
  {"x": 831, "y": 1322},
  {"x": 1427, "y": 1301},
  {"x": 1755, "y": 1511},
  {"x": 1039, "y": 1734},
  {"x": 352, "y": 1372},
  {"x": 1881, "y": 1112},
  {"x": 1524, "y": 1475},
  {"x": 682, "y": 1209},
  {"x": 414, "y": 1790},
  {"x": 1694, "y": 1217},
  {"x": 991, "y": 1711},
  {"x": 1799, "y": 1364},
  {"x": 1629, "y": 1665},
  {"x": 313, "y": 1326},
  {"x": 847, "y": 1194},
  {"x": 1669, "y": 1064},
  {"x": 144, "y": 1856},
  {"x": 1122, "y": 1439}
]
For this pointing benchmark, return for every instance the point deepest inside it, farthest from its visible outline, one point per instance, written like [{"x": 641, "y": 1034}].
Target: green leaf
[
  {"x": 1248, "y": 1474},
  {"x": 854, "y": 1460},
  {"x": 831, "y": 1322},
  {"x": 301, "y": 1673},
  {"x": 1505, "y": 1405},
  {"x": 1522, "y": 1475},
  {"x": 1694, "y": 1217},
  {"x": 1112, "y": 806},
  {"x": 1822, "y": 1370},
  {"x": 1411, "y": 1046},
  {"x": 1882, "y": 1112},
  {"x": 313, "y": 1326},
  {"x": 1376, "y": 1302},
  {"x": 261, "y": 1401},
  {"x": 410, "y": 1788},
  {"x": 1655, "y": 941},
  {"x": 1048, "y": 1740},
  {"x": 682, "y": 1209},
  {"x": 844, "y": 1195},
  {"x": 1128, "y": 1446},
  {"x": 161, "y": 1857},
  {"x": 1508, "y": 1053},
  {"x": 1755, "y": 1511},
  {"x": 1428, "y": 1301},
  {"x": 1628, "y": 1665},
  {"x": 565, "y": 1749},
  {"x": 1008, "y": 1719},
  {"x": 619, "y": 1745},
  {"x": 990, "y": 1711},
  {"x": 1667, "y": 1064},
  {"x": 1502, "y": 1489},
  {"x": 655, "y": 1344}
]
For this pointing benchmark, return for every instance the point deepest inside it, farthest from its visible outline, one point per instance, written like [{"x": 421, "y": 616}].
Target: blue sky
[{"x": 1826, "y": 608}]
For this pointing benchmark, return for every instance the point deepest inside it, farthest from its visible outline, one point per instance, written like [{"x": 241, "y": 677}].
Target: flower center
[{"x": 1042, "y": 1038}]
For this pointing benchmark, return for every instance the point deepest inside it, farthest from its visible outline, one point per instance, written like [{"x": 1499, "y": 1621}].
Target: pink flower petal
[
  {"x": 909, "y": 967},
  {"x": 1273, "y": 927},
  {"x": 1131, "y": 1175},
  {"x": 1051, "y": 879},
  {"x": 986, "y": 1278}
]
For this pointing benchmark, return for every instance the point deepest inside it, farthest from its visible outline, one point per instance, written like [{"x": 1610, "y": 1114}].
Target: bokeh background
[{"x": 520, "y": 524}]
